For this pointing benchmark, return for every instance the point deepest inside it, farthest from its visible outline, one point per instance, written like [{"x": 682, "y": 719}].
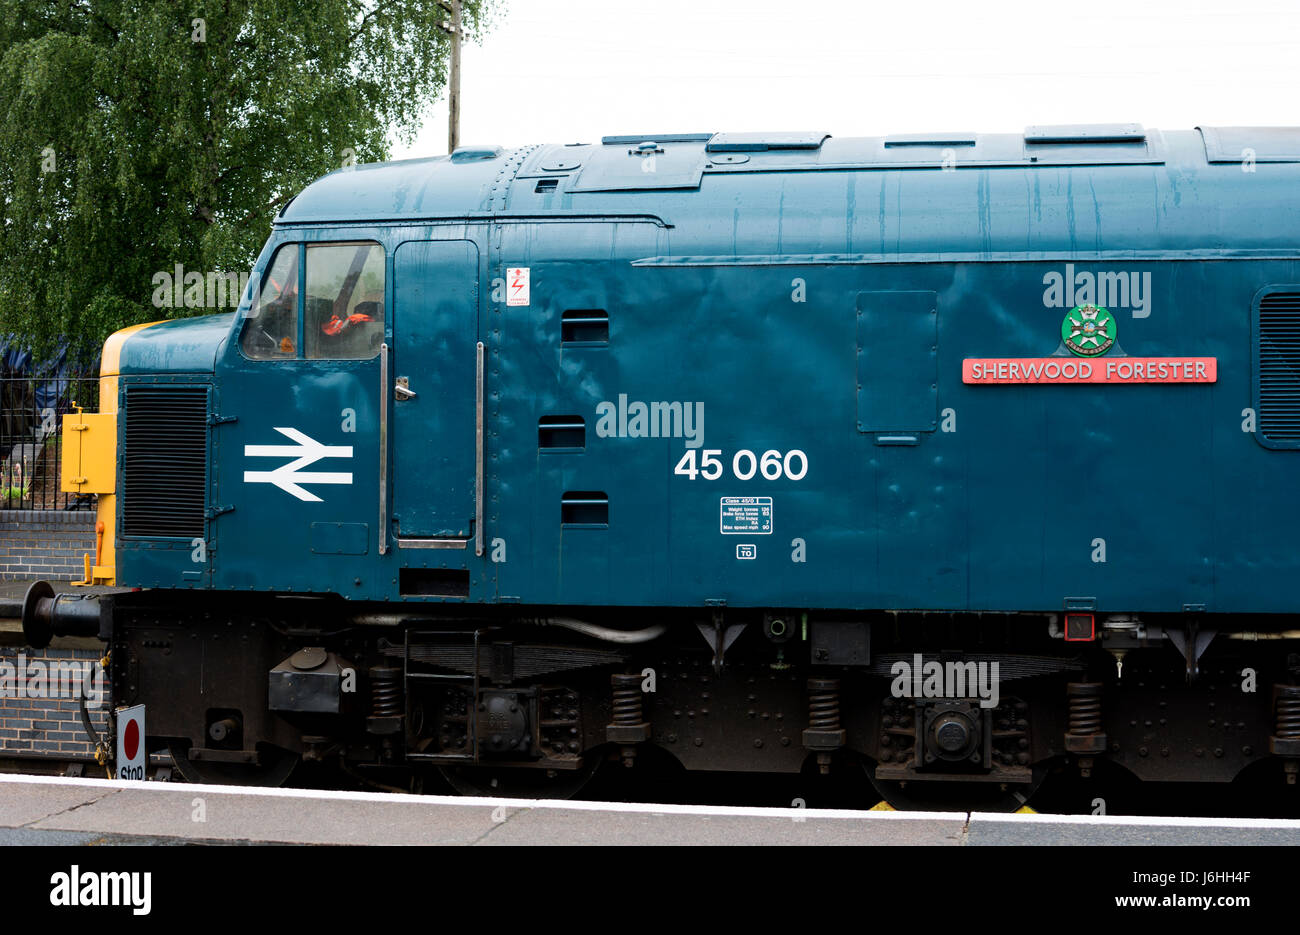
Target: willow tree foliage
[{"x": 135, "y": 136}]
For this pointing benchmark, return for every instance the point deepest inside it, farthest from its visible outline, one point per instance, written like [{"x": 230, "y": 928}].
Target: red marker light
[{"x": 1080, "y": 628}]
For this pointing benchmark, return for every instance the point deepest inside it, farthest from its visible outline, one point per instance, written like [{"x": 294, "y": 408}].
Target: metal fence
[{"x": 31, "y": 440}]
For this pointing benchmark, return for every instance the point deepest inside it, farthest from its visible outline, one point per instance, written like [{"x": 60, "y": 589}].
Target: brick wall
[
  {"x": 48, "y": 725},
  {"x": 45, "y": 543}
]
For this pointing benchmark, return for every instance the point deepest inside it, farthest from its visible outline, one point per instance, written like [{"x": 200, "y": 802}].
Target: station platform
[{"x": 62, "y": 811}]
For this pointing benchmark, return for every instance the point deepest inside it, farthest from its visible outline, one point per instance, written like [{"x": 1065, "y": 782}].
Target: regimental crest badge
[{"x": 1089, "y": 330}]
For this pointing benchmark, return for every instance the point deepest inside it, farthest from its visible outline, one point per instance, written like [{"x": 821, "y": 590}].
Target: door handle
[{"x": 402, "y": 390}]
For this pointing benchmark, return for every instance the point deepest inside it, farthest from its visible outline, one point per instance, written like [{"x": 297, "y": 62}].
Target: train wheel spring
[
  {"x": 825, "y": 734},
  {"x": 1288, "y": 711},
  {"x": 1084, "y": 735},
  {"x": 1285, "y": 741},
  {"x": 627, "y": 699},
  {"x": 824, "y": 704},
  {"x": 385, "y": 691},
  {"x": 385, "y": 700},
  {"x": 1085, "y": 707},
  {"x": 629, "y": 726}
]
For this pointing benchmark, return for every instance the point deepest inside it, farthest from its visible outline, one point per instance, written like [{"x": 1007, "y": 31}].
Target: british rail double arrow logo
[{"x": 289, "y": 476}]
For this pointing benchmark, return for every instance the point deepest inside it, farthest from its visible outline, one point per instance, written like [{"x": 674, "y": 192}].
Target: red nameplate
[{"x": 1085, "y": 370}]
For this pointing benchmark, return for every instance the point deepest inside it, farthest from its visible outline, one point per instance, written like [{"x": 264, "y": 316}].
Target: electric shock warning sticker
[
  {"x": 517, "y": 285},
  {"x": 746, "y": 516}
]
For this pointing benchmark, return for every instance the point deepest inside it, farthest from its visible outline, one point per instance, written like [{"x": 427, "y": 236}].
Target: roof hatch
[
  {"x": 1092, "y": 144},
  {"x": 762, "y": 142},
  {"x": 475, "y": 153},
  {"x": 930, "y": 139},
  {"x": 1087, "y": 133},
  {"x": 657, "y": 137},
  {"x": 642, "y": 163}
]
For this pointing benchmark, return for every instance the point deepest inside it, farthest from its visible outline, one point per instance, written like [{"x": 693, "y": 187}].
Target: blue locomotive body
[
  {"x": 782, "y": 375},
  {"x": 817, "y": 302}
]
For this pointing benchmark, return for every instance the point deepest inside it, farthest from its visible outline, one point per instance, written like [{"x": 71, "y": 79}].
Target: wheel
[
  {"x": 520, "y": 782},
  {"x": 274, "y": 768},
  {"x": 939, "y": 796}
]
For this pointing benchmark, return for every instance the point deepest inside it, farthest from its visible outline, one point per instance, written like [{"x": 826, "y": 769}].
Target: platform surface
[{"x": 58, "y": 810}]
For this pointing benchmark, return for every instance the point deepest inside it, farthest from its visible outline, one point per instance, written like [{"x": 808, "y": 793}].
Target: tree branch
[
  {"x": 361, "y": 26},
  {"x": 275, "y": 203}
]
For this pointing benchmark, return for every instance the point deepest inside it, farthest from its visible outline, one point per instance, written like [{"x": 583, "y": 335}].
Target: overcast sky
[{"x": 566, "y": 71}]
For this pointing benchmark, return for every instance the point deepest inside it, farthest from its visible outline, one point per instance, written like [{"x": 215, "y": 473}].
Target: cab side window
[
  {"x": 344, "y": 301},
  {"x": 271, "y": 330}
]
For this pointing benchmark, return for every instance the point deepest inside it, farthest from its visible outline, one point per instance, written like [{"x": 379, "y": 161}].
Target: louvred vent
[
  {"x": 164, "y": 461},
  {"x": 1279, "y": 367}
]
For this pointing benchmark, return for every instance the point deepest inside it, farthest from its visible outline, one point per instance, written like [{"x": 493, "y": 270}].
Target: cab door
[{"x": 437, "y": 387}]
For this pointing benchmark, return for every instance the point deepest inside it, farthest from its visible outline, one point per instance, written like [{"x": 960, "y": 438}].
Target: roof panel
[
  {"x": 1258, "y": 144},
  {"x": 642, "y": 166},
  {"x": 433, "y": 187},
  {"x": 441, "y": 188}
]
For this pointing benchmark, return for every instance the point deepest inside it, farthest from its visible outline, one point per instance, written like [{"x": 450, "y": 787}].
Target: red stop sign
[{"x": 131, "y": 739}]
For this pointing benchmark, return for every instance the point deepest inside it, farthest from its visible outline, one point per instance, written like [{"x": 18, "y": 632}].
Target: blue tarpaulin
[{"x": 53, "y": 374}]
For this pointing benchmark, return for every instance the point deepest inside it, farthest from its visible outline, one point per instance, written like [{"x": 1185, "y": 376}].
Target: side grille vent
[
  {"x": 164, "y": 457},
  {"x": 1278, "y": 368}
]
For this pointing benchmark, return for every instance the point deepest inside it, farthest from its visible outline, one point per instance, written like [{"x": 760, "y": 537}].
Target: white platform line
[
  {"x": 1138, "y": 820},
  {"x": 479, "y": 801},
  {"x": 334, "y": 795}
]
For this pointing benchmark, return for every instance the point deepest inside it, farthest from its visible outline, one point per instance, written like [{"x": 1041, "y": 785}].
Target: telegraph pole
[{"x": 453, "y": 79}]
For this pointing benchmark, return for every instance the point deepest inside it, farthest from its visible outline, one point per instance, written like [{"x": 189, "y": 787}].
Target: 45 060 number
[{"x": 773, "y": 465}]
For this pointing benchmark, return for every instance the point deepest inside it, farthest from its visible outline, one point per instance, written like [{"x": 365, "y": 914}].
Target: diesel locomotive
[{"x": 939, "y": 460}]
